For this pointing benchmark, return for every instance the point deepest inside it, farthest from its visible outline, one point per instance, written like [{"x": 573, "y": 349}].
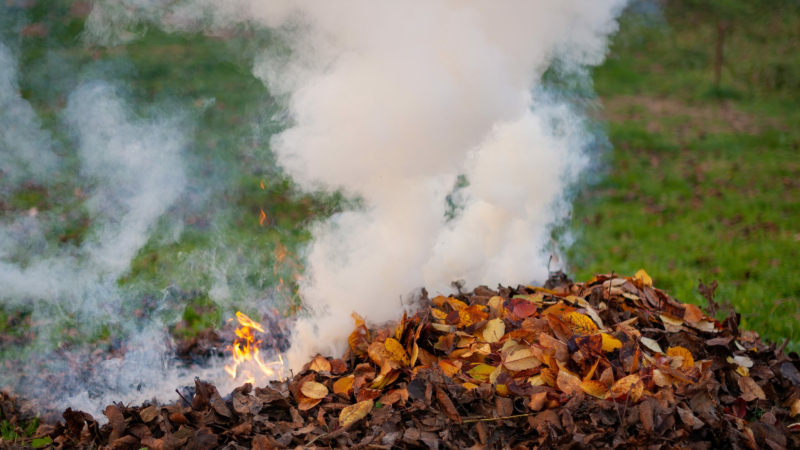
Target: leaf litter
[{"x": 610, "y": 363}]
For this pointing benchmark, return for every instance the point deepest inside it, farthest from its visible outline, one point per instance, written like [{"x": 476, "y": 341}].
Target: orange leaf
[
  {"x": 306, "y": 403},
  {"x": 680, "y": 352},
  {"x": 354, "y": 413},
  {"x": 344, "y": 386}
]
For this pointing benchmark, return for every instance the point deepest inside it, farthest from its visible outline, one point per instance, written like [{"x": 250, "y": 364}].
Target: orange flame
[
  {"x": 245, "y": 352},
  {"x": 262, "y": 217},
  {"x": 262, "y": 184}
]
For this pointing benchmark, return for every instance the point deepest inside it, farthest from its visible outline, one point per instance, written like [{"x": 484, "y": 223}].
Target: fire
[
  {"x": 262, "y": 217},
  {"x": 246, "y": 353}
]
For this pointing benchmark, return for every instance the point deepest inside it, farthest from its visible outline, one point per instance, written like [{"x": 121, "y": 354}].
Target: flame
[
  {"x": 246, "y": 353},
  {"x": 262, "y": 184},
  {"x": 262, "y": 217}
]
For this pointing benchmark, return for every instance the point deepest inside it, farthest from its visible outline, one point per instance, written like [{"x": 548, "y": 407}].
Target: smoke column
[{"x": 391, "y": 102}]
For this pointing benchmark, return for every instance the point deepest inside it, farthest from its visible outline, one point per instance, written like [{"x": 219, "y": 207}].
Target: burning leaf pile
[{"x": 610, "y": 363}]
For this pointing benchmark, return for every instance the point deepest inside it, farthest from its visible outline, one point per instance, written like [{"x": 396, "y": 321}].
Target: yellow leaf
[
  {"x": 495, "y": 329},
  {"x": 610, "y": 343},
  {"x": 312, "y": 389},
  {"x": 568, "y": 382},
  {"x": 469, "y": 385},
  {"x": 481, "y": 372},
  {"x": 456, "y": 304},
  {"x": 344, "y": 386},
  {"x": 438, "y": 314},
  {"x": 395, "y": 348},
  {"x": 670, "y": 320},
  {"x": 643, "y": 277},
  {"x": 632, "y": 386},
  {"x": 320, "y": 364},
  {"x": 354, "y": 413},
  {"x": 502, "y": 390},
  {"x": 688, "y": 359},
  {"x": 595, "y": 388},
  {"x": 414, "y": 355},
  {"x": 580, "y": 323},
  {"x": 306, "y": 403}
]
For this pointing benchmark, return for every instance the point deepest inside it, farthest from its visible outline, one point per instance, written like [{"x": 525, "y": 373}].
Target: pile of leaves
[{"x": 610, "y": 363}]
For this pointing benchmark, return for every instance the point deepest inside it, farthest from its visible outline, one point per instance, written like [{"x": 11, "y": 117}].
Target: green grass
[{"x": 687, "y": 197}]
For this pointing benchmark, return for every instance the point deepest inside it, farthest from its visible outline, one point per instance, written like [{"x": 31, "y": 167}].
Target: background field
[{"x": 700, "y": 182}]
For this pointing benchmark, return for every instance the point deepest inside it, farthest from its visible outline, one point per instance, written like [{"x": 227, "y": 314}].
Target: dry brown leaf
[
  {"x": 692, "y": 313},
  {"x": 359, "y": 338},
  {"x": 568, "y": 382},
  {"x": 750, "y": 390},
  {"x": 320, "y": 364},
  {"x": 312, "y": 389},
  {"x": 494, "y": 330},
  {"x": 447, "y": 405},
  {"x": 537, "y": 401},
  {"x": 632, "y": 386},
  {"x": 661, "y": 378},
  {"x": 354, "y": 413},
  {"x": 520, "y": 357}
]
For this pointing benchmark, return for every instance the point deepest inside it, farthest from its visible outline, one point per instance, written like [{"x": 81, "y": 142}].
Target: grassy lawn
[{"x": 702, "y": 182}]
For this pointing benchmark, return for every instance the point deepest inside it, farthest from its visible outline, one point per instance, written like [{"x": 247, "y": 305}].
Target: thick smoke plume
[{"x": 392, "y": 102}]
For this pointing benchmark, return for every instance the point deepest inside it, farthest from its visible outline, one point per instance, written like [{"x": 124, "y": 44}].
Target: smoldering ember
[{"x": 612, "y": 362}]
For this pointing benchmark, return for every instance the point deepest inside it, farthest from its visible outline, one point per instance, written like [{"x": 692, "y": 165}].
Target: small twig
[
  {"x": 497, "y": 418},
  {"x": 184, "y": 399}
]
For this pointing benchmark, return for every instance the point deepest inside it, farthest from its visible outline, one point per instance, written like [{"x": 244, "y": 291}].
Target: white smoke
[
  {"x": 25, "y": 149},
  {"x": 392, "y": 101},
  {"x": 133, "y": 170}
]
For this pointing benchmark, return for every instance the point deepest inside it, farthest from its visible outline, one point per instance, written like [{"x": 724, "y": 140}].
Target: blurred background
[{"x": 700, "y": 178}]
